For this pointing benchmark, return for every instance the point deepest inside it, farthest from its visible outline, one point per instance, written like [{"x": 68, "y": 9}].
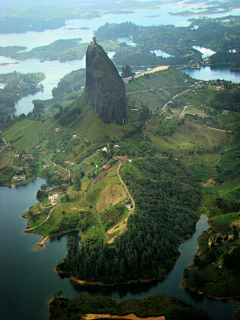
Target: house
[
  {"x": 168, "y": 118},
  {"x": 124, "y": 158},
  {"x": 26, "y": 165},
  {"x": 116, "y": 146},
  {"x": 58, "y": 150},
  {"x": 24, "y": 156},
  {"x": 53, "y": 198},
  {"x": 225, "y": 112},
  {"x": 57, "y": 129},
  {"x": 17, "y": 155},
  {"x": 45, "y": 166},
  {"x": 37, "y": 146},
  {"x": 19, "y": 177},
  {"x": 134, "y": 109},
  {"x": 104, "y": 149},
  {"x": 105, "y": 166},
  {"x": 215, "y": 265},
  {"x": 72, "y": 163}
]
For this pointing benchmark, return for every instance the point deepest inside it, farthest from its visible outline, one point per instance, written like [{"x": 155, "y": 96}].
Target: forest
[{"x": 148, "y": 248}]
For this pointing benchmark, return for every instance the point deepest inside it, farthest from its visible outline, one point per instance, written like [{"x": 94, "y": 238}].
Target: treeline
[
  {"x": 154, "y": 306},
  {"x": 145, "y": 57},
  {"x": 20, "y": 25},
  {"x": 73, "y": 220},
  {"x": 228, "y": 166},
  {"x": 233, "y": 58},
  {"x": 67, "y": 116},
  {"x": 227, "y": 99},
  {"x": 166, "y": 127},
  {"x": 166, "y": 197}
]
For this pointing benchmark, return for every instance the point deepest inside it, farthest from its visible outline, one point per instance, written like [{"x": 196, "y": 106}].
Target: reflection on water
[
  {"x": 206, "y": 52},
  {"x": 213, "y": 73},
  {"x": 159, "y": 53}
]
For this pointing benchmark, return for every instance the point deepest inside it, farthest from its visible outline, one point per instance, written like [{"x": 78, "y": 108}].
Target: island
[{"x": 159, "y": 307}]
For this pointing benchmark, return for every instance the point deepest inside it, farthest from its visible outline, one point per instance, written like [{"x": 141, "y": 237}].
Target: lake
[{"x": 28, "y": 279}]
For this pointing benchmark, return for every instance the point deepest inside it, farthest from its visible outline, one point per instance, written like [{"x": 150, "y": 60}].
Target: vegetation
[
  {"x": 154, "y": 306},
  {"x": 17, "y": 86},
  {"x": 219, "y": 35},
  {"x": 61, "y": 50},
  {"x": 187, "y": 161},
  {"x": 153, "y": 232},
  {"x": 214, "y": 271}
]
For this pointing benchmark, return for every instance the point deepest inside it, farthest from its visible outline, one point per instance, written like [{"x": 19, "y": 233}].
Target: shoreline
[
  {"x": 99, "y": 283},
  {"x": 41, "y": 244},
  {"x": 183, "y": 284}
]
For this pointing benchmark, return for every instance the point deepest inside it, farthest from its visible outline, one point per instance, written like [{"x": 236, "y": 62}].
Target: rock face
[{"x": 105, "y": 88}]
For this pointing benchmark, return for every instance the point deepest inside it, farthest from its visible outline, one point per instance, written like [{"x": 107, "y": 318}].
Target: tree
[
  {"x": 127, "y": 72},
  {"x": 77, "y": 184},
  {"x": 43, "y": 187},
  {"x": 72, "y": 245},
  {"x": 235, "y": 233},
  {"x": 41, "y": 195}
]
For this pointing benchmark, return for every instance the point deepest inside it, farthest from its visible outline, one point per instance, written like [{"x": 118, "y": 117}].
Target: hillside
[{"x": 142, "y": 183}]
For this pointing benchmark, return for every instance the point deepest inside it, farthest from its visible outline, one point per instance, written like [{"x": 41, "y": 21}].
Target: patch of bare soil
[{"x": 128, "y": 317}]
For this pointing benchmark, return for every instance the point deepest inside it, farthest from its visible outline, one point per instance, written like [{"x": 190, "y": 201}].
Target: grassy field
[
  {"x": 5, "y": 158},
  {"x": 25, "y": 135}
]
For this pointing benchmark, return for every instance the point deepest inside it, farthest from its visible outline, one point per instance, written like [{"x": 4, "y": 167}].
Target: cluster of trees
[
  {"x": 166, "y": 199},
  {"x": 227, "y": 57},
  {"x": 61, "y": 89},
  {"x": 229, "y": 165},
  {"x": 114, "y": 30},
  {"x": 127, "y": 72},
  {"x": 226, "y": 205},
  {"x": 72, "y": 220},
  {"x": 140, "y": 56},
  {"x": 155, "y": 305},
  {"x": 67, "y": 116},
  {"x": 227, "y": 99},
  {"x": 166, "y": 127},
  {"x": 144, "y": 114}
]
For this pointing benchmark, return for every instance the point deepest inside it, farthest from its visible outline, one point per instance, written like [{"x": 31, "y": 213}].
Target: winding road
[
  {"x": 122, "y": 225},
  {"x": 48, "y": 216}
]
